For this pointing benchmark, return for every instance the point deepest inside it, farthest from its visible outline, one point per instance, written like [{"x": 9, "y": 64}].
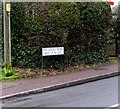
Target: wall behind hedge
[{"x": 79, "y": 27}]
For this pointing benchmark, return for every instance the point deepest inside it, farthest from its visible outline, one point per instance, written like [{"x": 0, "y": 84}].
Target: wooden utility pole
[{"x": 7, "y": 37}]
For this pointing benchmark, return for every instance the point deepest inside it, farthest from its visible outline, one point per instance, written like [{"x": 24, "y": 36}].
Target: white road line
[{"x": 115, "y": 105}]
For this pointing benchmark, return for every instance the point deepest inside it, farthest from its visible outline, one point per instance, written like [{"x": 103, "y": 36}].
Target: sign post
[{"x": 51, "y": 51}]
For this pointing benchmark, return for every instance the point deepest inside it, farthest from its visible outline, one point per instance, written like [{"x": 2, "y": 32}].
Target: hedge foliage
[
  {"x": 117, "y": 29},
  {"x": 79, "y": 27}
]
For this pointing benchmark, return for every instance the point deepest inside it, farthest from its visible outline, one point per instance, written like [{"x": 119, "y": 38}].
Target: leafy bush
[
  {"x": 79, "y": 27},
  {"x": 117, "y": 30}
]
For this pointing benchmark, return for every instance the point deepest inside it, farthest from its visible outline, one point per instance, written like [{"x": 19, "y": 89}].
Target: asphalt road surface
[{"x": 102, "y": 93}]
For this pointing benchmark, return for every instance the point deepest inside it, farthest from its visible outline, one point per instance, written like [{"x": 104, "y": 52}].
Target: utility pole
[{"x": 7, "y": 37}]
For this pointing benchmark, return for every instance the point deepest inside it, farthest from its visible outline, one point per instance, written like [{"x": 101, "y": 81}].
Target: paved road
[{"x": 102, "y": 93}]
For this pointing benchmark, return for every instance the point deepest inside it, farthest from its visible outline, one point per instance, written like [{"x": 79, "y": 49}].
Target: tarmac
[{"x": 25, "y": 87}]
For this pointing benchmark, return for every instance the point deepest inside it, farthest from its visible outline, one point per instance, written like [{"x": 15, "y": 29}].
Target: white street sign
[{"x": 52, "y": 51}]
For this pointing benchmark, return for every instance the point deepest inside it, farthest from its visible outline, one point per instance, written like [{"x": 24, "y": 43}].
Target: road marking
[
  {"x": 116, "y": 105},
  {"x": 113, "y": 106}
]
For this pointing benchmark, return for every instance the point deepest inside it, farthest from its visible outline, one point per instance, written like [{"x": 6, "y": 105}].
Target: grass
[
  {"x": 113, "y": 61},
  {"x": 90, "y": 67},
  {"x": 10, "y": 78}
]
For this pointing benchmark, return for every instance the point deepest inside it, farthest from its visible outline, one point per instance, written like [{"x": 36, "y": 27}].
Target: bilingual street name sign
[{"x": 50, "y": 51}]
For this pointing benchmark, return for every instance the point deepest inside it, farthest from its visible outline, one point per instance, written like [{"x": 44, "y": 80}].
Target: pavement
[
  {"x": 102, "y": 93},
  {"x": 25, "y": 87}
]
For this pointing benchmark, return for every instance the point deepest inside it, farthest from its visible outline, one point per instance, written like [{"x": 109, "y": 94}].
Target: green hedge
[
  {"x": 79, "y": 27},
  {"x": 116, "y": 30}
]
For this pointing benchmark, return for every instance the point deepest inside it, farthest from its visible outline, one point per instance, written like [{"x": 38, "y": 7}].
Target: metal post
[
  {"x": 42, "y": 63},
  {"x": 63, "y": 62}
]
